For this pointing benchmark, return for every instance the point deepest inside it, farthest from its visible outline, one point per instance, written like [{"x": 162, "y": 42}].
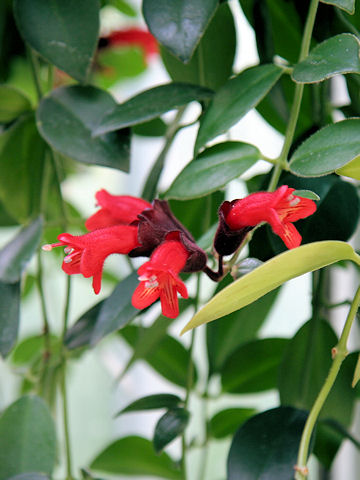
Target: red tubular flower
[
  {"x": 159, "y": 278},
  {"x": 135, "y": 37},
  {"x": 86, "y": 253},
  {"x": 115, "y": 210}
]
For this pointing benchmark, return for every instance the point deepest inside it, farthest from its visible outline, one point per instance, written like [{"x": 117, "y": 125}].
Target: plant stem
[
  {"x": 46, "y": 328},
  {"x": 338, "y": 353},
  {"x": 66, "y": 423},
  {"x": 35, "y": 70},
  {"x": 295, "y": 109}
]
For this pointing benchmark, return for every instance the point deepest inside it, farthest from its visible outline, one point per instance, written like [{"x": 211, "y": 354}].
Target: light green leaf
[
  {"x": 213, "y": 169},
  {"x": 63, "y": 32},
  {"x": 351, "y": 169},
  {"x": 170, "y": 425},
  {"x": 328, "y": 149},
  {"x": 307, "y": 194},
  {"x": 347, "y": 5},
  {"x": 234, "y": 99},
  {"x": 227, "y": 421},
  {"x": 339, "y": 54},
  {"x": 270, "y": 275},
  {"x": 12, "y": 103},
  {"x": 152, "y": 402}
]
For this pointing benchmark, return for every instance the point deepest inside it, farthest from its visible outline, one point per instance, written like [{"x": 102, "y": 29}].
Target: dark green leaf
[
  {"x": 266, "y": 446},
  {"x": 328, "y": 149},
  {"x": 214, "y": 168},
  {"x": 347, "y": 5},
  {"x": 170, "y": 425},
  {"x": 64, "y": 33},
  {"x": 253, "y": 367},
  {"x": 27, "y": 438},
  {"x": 327, "y": 443},
  {"x": 179, "y": 26},
  {"x": 79, "y": 335},
  {"x": 237, "y": 96},
  {"x": 17, "y": 253},
  {"x": 135, "y": 456},
  {"x": 9, "y": 315},
  {"x": 67, "y": 118},
  {"x": 226, "y": 422},
  {"x": 151, "y": 104},
  {"x": 152, "y": 128},
  {"x": 12, "y": 103},
  {"x": 211, "y": 63},
  {"x": 339, "y": 54},
  {"x": 152, "y": 402}
]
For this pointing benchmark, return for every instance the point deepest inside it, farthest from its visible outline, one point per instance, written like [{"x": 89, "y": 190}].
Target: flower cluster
[{"x": 132, "y": 226}]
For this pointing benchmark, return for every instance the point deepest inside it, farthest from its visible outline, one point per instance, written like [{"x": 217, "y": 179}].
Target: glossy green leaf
[
  {"x": 17, "y": 253},
  {"x": 270, "y": 275},
  {"x": 63, "y": 33},
  {"x": 12, "y": 103},
  {"x": 351, "y": 169},
  {"x": 214, "y": 168},
  {"x": 266, "y": 446},
  {"x": 232, "y": 101},
  {"x": 328, "y": 149},
  {"x": 150, "y": 104},
  {"x": 135, "y": 456},
  {"x": 152, "y": 402},
  {"x": 67, "y": 118},
  {"x": 27, "y": 438},
  {"x": 339, "y": 54},
  {"x": 80, "y": 334},
  {"x": 307, "y": 194},
  {"x": 347, "y": 5},
  {"x": 152, "y": 128},
  {"x": 9, "y": 315},
  {"x": 327, "y": 443},
  {"x": 226, "y": 422},
  {"x": 170, "y": 425},
  {"x": 259, "y": 361},
  {"x": 179, "y": 26},
  {"x": 211, "y": 63}
]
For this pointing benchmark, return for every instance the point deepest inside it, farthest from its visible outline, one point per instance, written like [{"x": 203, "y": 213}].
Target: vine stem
[
  {"x": 295, "y": 109},
  {"x": 66, "y": 424},
  {"x": 339, "y": 353}
]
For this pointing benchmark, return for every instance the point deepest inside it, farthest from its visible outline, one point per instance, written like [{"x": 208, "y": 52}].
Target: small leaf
[
  {"x": 79, "y": 334},
  {"x": 9, "y": 315},
  {"x": 270, "y": 275},
  {"x": 63, "y": 33},
  {"x": 226, "y": 422},
  {"x": 66, "y": 120},
  {"x": 356, "y": 377},
  {"x": 170, "y": 425},
  {"x": 266, "y": 445},
  {"x": 152, "y": 402},
  {"x": 135, "y": 456},
  {"x": 351, "y": 169},
  {"x": 150, "y": 104},
  {"x": 307, "y": 194},
  {"x": 234, "y": 99},
  {"x": 12, "y": 103},
  {"x": 27, "y": 438},
  {"x": 29, "y": 348},
  {"x": 339, "y": 54},
  {"x": 123, "y": 7},
  {"x": 347, "y": 5},
  {"x": 328, "y": 149},
  {"x": 214, "y": 168},
  {"x": 152, "y": 128},
  {"x": 179, "y": 26}
]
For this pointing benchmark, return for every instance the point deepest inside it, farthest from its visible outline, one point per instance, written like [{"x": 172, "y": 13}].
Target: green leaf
[
  {"x": 28, "y": 349},
  {"x": 307, "y": 194},
  {"x": 123, "y": 7},
  {"x": 170, "y": 425},
  {"x": 79, "y": 334},
  {"x": 214, "y": 168},
  {"x": 179, "y": 26},
  {"x": 351, "y": 169},
  {"x": 12, "y": 103},
  {"x": 356, "y": 376},
  {"x": 260, "y": 360},
  {"x": 347, "y": 5},
  {"x": 211, "y": 63},
  {"x": 27, "y": 438},
  {"x": 135, "y": 456},
  {"x": 151, "y": 104},
  {"x": 9, "y": 315},
  {"x": 66, "y": 120},
  {"x": 30, "y": 476},
  {"x": 63, "y": 33},
  {"x": 339, "y": 54},
  {"x": 234, "y": 99},
  {"x": 152, "y": 128},
  {"x": 328, "y": 149},
  {"x": 17, "y": 253},
  {"x": 266, "y": 445},
  {"x": 270, "y": 275},
  {"x": 226, "y": 422},
  {"x": 152, "y": 402}
]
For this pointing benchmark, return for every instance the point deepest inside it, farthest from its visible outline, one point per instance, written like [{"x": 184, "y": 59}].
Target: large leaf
[
  {"x": 27, "y": 438},
  {"x": 237, "y": 96},
  {"x": 150, "y": 104},
  {"x": 266, "y": 446},
  {"x": 328, "y": 149},
  {"x": 351, "y": 169},
  {"x": 211, "y": 63},
  {"x": 179, "y": 26},
  {"x": 227, "y": 421},
  {"x": 9, "y": 315},
  {"x": 170, "y": 425},
  {"x": 152, "y": 402},
  {"x": 347, "y": 5},
  {"x": 63, "y": 32},
  {"x": 67, "y": 118},
  {"x": 270, "y": 275},
  {"x": 12, "y": 103},
  {"x": 213, "y": 169},
  {"x": 339, "y": 54},
  {"x": 253, "y": 367},
  {"x": 135, "y": 456}
]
